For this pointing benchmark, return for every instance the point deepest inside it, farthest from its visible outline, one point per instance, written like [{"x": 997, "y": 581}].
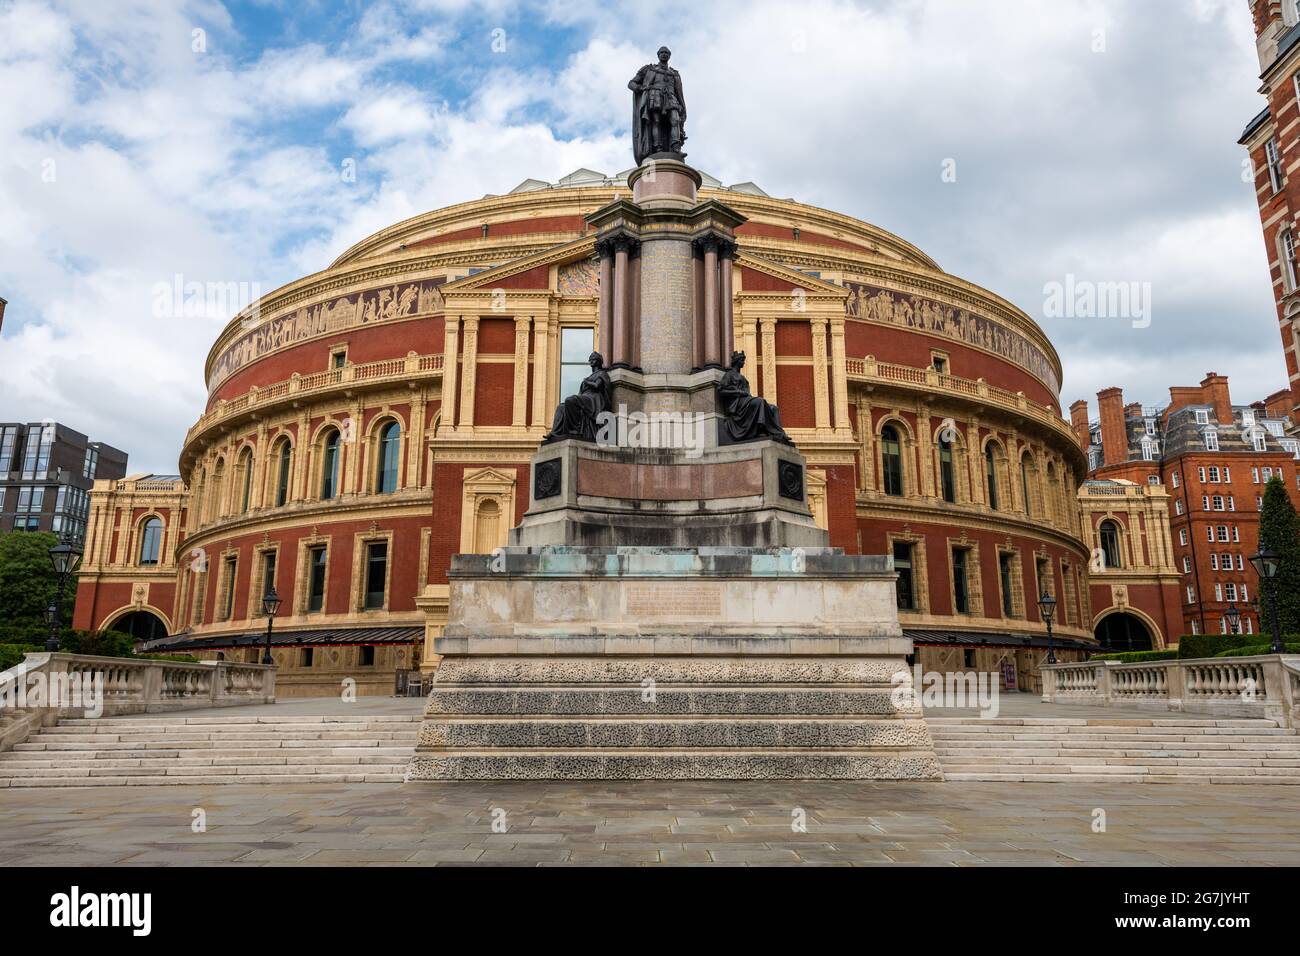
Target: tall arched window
[
  {"x": 329, "y": 474},
  {"x": 991, "y": 475},
  {"x": 1109, "y": 532},
  {"x": 947, "y": 473},
  {"x": 390, "y": 445},
  {"x": 284, "y": 459},
  {"x": 245, "y": 480},
  {"x": 150, "y": 540},
  {"x": 891, "y": 458}
]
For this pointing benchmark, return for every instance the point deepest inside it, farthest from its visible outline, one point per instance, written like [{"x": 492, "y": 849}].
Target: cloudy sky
[{"x": 1018, "y": 142}]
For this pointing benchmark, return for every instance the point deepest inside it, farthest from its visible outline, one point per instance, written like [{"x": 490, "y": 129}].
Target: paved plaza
[{"x": 646, "y": 823}]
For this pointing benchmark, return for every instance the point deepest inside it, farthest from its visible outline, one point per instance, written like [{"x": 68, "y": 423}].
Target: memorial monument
[{"x": 668, "y": 608}]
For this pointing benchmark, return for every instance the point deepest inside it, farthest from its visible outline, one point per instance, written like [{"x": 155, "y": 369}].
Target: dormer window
[
  {"x": 1259, "y": 438},
  {"x": 1150, "y": 426},
  {"x": 1211, "y": 440},
  {"x": 1202, "y": 417},
  {"x": 1149, "y": 448}
]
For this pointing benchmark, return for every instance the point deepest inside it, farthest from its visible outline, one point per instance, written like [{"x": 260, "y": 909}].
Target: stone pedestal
[
  {"x": 643, "y": 663},
  {"x": 668, "y": 607}
]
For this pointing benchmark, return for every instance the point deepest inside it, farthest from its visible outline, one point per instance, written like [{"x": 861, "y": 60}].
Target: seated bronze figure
[
  {"x": 578, "y": 415},
  {"x": 748, "y": 418}
]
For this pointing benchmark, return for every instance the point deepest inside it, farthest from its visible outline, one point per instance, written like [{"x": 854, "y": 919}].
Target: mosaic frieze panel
[
  {"x": 914, "y": 312},
  {"x": 581, "y": 278},
  {"x": 400, "y": 301}
]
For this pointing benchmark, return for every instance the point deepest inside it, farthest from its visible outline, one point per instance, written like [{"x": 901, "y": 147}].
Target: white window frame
[{"x": 1273, "y": 160}]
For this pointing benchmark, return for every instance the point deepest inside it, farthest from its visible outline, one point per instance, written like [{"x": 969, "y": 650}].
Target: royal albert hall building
[{"x": 365, "y": 423}]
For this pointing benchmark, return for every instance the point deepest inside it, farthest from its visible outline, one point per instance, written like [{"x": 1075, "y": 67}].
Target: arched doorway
[
  {"x": 1124, "y": 632},
  {"x": 142, "y": 625}
]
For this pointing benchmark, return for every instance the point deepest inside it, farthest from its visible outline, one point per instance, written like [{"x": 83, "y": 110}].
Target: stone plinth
[
  {"x": 749, "y": 495},
  {"x": 642, "y": 663}
]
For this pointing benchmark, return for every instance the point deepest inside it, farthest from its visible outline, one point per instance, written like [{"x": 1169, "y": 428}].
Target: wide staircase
[
  {"x": 160, "y": 749},
  {"x": 1116, "y": 750}
]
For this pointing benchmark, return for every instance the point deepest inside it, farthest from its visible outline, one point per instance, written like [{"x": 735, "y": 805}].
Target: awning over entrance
[
  {"x": 186, "y": 641},
  {"x": 929, "y": 638}
]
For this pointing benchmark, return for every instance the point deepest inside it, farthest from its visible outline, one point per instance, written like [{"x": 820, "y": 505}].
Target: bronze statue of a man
[{"x": 658, "y": 109}]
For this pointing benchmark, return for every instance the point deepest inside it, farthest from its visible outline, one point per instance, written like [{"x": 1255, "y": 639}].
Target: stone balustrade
[
  {"x": 45, "y": 687},
  {"x": 1265, "y": 686}
]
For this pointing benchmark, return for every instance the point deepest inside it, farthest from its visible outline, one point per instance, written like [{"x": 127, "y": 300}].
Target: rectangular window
[
  {"x": 1202, "y": 418},
  {"x": 8, "y": 445},
  {"x": 230, "y": 566},
  {"x": 1218, "y": 502},
  {"x": 305, "y": 660},
  {"x": 89, "y": 465},
  {"x": 1254, "y": 475},
  {"x": 1214, "y": 562},
  {"x": 1174, "y": 480},
  {"x": 1196, "y": 625},
  {"x": 376, "y": 573},
  {"x": 366, "y": 655},
  {"x": 1182, "y": 537},
  {"x": 315, "y": 578},
  {"x": 1218, "y": 592},
  {"x": 1273, "y": 159},
  {"x": 268, "y": 572},
  {"x": 1214, "y": 474},
  {"x": 1230, "y": 591},
  {"x": 1187, "y": 565},
  {"x": 576, "y": 345},
  {"x": 961, "y": 594},
  {"x": 1211, "y": 440},
  {"x": 1191, "y": 594},
  {"x": 906, "y": 583},
  {"x": 1005, "y": 571}
]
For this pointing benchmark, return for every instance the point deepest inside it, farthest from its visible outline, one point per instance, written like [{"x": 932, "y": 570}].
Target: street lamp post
[
  {"x": 270, "y": 604},
  {"x": 1047, "y": 607},
  {"x": 1234, "y": 619},
  {"x": 1267, "y": 563},
  {"x": 65, "y": 557}
]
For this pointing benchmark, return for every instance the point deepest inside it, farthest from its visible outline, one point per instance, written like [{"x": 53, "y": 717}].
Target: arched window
[
  {"x": 390, "y": 445},
  {"x": 284, "y": 459},
  {"x": 947, "y": 473},
  {"x": 1109, "y": 532},
  {"x": 150, "y": 540},
  {"x": 891, "y": 456},
  {"x": 329, "y": 474},
  {"x": 245, "y": 480},
  {"x": 991, "y": 475}
]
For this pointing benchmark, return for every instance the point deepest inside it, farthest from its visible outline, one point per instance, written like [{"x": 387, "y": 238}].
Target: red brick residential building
[
  {"x": 1273, "y": 141},
  {"x": 1210, "y": 460}
]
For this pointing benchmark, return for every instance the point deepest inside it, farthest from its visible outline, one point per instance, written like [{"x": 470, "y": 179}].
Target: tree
[
  {"x": 27, "y": 584},
  {"x": 1279, "y": 531}
]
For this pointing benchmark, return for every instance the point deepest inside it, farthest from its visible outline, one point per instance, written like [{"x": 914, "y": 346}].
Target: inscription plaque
[{"x": 662, "y": 601}]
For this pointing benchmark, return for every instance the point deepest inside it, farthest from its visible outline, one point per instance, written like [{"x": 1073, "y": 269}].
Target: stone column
[
  {"x": 768, "y": 325},
  {"x": 467, "y": 378},
  {"x": 821, "y": 387},
  {"x": 451, "y": 347},
  {"x": 712, "y": 321},
  {"x": 840, "y": 377},
  {"x": 541, "y": 368},
  {"x": 697, "y": 308},
  {"x": 726, "y": 264},
  {"x": 605, "y": 313},
  {"x": 618, "y": 351},
  {"x": 520, "y": 412},
  {"x": 666, "y": 306},
  {"x": 634, "y": 309}
]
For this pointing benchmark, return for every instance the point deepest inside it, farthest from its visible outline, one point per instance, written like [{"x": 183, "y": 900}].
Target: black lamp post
[
  {"x": 1267, "y": 563},
  {"x": 270, "y": 605},
  {"x": 1234, "y": 619},
  {"x": 65, "y": 557},
  {"x": 1047, "y": 607}
]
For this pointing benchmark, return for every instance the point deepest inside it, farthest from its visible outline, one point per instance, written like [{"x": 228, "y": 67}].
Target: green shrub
[
  {"x": 1135, "y": 657},
  {"x": 13, "y": 654},
  {"x": 1291, "y": 648},
  {"x": 1209, "y": 645},
  {"x": 98, "y": 643}
]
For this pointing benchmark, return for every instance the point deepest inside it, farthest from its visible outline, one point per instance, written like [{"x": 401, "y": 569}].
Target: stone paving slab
[{"x": 654, "y": 823}]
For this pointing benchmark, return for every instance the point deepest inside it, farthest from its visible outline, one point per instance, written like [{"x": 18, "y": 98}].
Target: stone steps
[
  {"x": 158, "y": 751},
  {"x": 586, "y": 700},
  {"x": 685, "y": 731},
  {"x": 1111, "y": 750},
  {"x": 703, "y": 764}
]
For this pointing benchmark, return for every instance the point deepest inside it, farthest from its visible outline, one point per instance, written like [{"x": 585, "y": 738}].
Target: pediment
[{"x": 577, "y": 250}]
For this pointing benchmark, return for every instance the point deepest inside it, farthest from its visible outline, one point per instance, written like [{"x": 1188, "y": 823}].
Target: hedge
[
  {"x": 1257, "y": 650},
  {"x": 1135, "y": 657},
  {"x": 13, "y": 654},
  {"x": 1209, "y": 645}
]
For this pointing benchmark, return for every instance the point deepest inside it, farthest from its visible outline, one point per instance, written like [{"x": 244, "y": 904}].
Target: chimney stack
[
  {"x": 1214, "y": 392},
  {"x": 1114, "y": 434},
  {"x": 1079, "y": 422}
]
